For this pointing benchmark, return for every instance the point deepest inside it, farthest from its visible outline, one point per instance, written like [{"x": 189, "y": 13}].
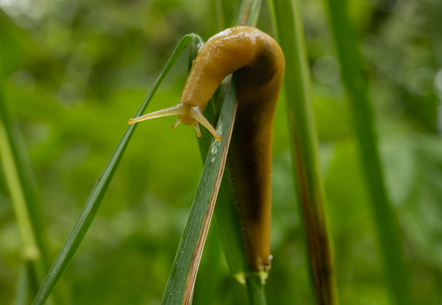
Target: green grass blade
[
  {"x": 230, "y": 230},
  {"x": 227, "y": 13},
  {"x": 10, "y": 160},
  {"x": 220, "y": 15},
  {"x": 287, "y": 15},
  {"x": 22, "y": 286},
  {"x": 21, "y": 184},
  {"x": 249, "y": 12},
  {"x": 356, "y": 85},
  {"x": 255, "y": 290},
  {"x": 92, "y": 204},
  {"x": 181, "y": 281},
  {"x": 225, "y": 211}
]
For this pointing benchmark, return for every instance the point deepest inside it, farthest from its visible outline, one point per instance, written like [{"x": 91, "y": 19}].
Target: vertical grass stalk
[
  {"x": 287, "y": 16},
  {"x": 249, "y": 12},
  {"x": 21, "y": 184},
  {"x": 355, "y": 83},
  {"x": 226, "y": 14}
]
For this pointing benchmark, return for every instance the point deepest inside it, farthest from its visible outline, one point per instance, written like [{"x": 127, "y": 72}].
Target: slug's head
[{"x": 187, "y": 114}]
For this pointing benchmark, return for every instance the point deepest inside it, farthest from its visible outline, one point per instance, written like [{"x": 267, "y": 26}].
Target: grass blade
[
  {"x": 287, "y": 15},
  {"x": 22, "y": 286},
  {"x": 249, "y": 12},
  {"x": 181, "y": 281},
  {"x": 356, "y": 85},
  {"x": 225, "y": 212},
  {"x": 226, "y": 13},
  {"x": 255, "y": 290},
  {"x": 21, "y": 184},
  {"x": 92, "y": 204}
]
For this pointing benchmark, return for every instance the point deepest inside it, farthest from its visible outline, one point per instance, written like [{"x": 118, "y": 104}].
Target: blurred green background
[{"x": 75, "y": 71}]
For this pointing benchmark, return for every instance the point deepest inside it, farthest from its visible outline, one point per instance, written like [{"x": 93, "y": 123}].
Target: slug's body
[{"x": 259, "y": 63}]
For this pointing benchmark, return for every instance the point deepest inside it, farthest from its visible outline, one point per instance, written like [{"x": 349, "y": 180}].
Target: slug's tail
[{"x": 189, "y": 115}]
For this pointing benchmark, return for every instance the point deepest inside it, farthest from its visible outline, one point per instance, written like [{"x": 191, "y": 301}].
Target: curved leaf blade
[{"x": 92, "y": 204}]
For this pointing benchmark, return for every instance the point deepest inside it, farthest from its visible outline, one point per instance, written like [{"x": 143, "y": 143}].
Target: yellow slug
[{"x": 259, "y": 63}]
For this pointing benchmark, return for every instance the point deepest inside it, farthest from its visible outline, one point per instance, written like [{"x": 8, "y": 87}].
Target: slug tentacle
[
  {"x": 177, "y": 109},
  {"x": 177, "y": 122},
  {"x": 187, "y": 114},
  {"x": 198, "y": 131},
  {"x": 198, "y": 115}
]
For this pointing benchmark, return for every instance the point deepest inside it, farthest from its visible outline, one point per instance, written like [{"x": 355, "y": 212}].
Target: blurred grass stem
[
  {"x": 355, "y": 82},
  {"x": 310, "y": 194},
  {"x": 21, "y": 185}
]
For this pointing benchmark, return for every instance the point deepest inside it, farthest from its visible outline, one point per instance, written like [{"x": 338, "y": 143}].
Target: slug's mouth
[{"x": 187, "y": 114}]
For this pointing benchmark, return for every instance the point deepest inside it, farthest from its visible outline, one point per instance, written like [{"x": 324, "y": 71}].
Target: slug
[{"x": 259, "y": 63}]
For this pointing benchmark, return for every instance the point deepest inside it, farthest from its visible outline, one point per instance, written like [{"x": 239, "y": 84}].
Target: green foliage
[
  {"x": 75, "y": 73},
  {"x": 93, "y": 202},
  {"x": 387, "y": 227}
]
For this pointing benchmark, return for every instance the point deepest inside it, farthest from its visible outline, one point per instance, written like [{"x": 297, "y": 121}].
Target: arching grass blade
[{"x": 92, "y": 204}]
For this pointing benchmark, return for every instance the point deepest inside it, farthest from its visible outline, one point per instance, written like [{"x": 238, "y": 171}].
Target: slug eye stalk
[{"x": 187, "y": 114}]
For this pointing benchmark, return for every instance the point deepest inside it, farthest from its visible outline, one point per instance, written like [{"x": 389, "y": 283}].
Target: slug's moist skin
[{"x": 259, "y": 63}]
